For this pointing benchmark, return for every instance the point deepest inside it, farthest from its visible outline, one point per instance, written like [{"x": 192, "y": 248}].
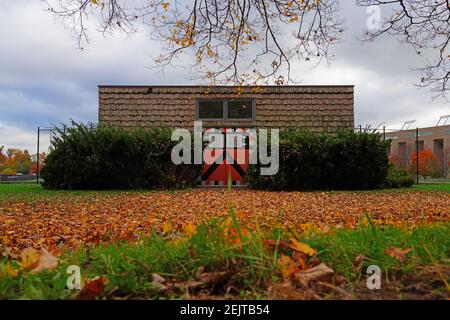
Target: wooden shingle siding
[{"x": 317, "y": 108}]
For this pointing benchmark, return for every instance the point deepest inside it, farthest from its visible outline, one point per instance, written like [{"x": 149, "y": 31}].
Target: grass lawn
[
  {"x": 32, "y": 191},
  {"x": 228, "y": 244},
  {"x": 434, "y": 186}
]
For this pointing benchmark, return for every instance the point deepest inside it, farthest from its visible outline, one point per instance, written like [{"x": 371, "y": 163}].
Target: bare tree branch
[
  {"x": 233, "y": 41},
  {"x": 424, "y": 24}
]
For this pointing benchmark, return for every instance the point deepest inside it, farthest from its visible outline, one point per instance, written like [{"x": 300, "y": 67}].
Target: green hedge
[
  {"x": 399, "y": 178},
  {"x": 104, "y": 157},
  {"x": 344, "y": 161}
]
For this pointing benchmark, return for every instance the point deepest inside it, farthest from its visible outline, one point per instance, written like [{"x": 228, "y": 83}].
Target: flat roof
[
  {"x": 222, "y": 86},
  {"x": 413, "y": 130}
]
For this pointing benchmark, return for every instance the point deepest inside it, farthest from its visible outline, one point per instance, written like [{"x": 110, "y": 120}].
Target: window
[
  {"x": 438, "y": 149},
  {"x": 240, "y": 109},
  {"x": 225, "y": 109},
  {"x": 421, "y": 145},
  {"x": 210, "y": 109}
]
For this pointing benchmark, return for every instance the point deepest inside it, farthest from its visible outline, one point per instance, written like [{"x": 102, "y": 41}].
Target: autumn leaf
[
  {"x": 158, "y": 281},
  {"x": 294, "y": 244},
  {"x": 156, "y": 278},
  {"x": 46, "y": 261},
  {"x": 29, "y": 258},
  {"x": 300, "y": 258},
  {"x": 190, "y": 229},
  {"x": 358, "y": 261},
  {"x": 398, "y": 253},
  {"x": 92, "y": 289},
  {"x": 166, "y": 227},
  {"x": 286, "y": 265},
  {"x": 8, "y": 271},
  {"x": 301, "y": 247},
  {"x": 285, "y": 290},
  {"x": 318, "y": 273}
]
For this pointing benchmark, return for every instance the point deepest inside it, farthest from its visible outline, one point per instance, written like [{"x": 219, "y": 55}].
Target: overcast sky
[{"x": 46, "y": 80}]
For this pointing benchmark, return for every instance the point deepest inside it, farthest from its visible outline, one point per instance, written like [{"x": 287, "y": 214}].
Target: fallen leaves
[
  {"x": 69, "y": 221},
  {"x": 287, "y": 266},
  {"x": 294, "y": 244},
  {"x": 8, "y": 271},
  {"x": 190, "y": 229},
  {"x": 46, "y": 261},
  {"x": 92, "y": 289},
  {"x": 318, "y": 273},
  {"x": 301, "y": 247},
  {"x": 300, "y": 270},
  {"x": 30, "y": 260},
  {"x": 398, "y": 253},
  {"x": 358, "y": 261}
]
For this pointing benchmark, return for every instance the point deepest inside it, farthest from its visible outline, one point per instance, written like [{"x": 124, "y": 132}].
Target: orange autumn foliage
[
  {"x": 429, "y": 165},
  {"x": 63, "y": 222}
]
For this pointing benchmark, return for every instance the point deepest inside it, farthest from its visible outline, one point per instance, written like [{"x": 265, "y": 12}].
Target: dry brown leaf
[
  {"x": 398, "y": 253},
  {"x": 158, "y": 281},
  {"x": 46, "y": 261},
  {"x": 358, "y": 261},
  {"x": 319, "y": 273},
  {"x": 300, "y": 258},
  {"x": 286, "y": 291},
  {"x": 216, "y": 278},
  {"x": 156, "y": 278}
]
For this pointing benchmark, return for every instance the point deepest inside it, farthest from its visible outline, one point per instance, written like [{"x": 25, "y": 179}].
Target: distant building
[{"x": 435, "y": 139}]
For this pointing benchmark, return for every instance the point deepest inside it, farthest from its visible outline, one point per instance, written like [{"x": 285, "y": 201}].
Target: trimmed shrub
[
  {"x": 344, "y": 161},
  {"x": 399, "y": 178},
  {"x": 104, "y": 157}
]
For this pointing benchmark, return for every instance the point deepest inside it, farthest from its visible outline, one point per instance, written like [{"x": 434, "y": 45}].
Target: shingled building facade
[
  {"x": 317, "y": 108},
  {"x": 228, "y": 109}
]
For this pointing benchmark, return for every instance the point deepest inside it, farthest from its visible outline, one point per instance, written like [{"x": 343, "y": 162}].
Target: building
[
  {"x": 316, "y": 108},
  {"x": 435, "y": 139}
]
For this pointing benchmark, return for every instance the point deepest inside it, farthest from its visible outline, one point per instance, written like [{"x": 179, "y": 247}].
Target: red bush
[{"x": 429, "y": 164}]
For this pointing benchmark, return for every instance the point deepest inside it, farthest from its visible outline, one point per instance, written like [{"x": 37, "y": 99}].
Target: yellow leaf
[
  {"x": 165, "y": 5},
  {"x": 209, "y": 51},
  {"x": 166, "y": 227},
  {"x": 29, "y": 258},
  {"x": 8, "y": 271},
  {"x": 302, "y": 247},
  {"x": 190, "y": 229}
]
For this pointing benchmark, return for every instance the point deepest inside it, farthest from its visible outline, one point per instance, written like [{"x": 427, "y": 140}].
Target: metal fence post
[
  {"x": 417, "y": 154},
  {"x": 384, "y": 133},
  {"x": 37, "y": 157}
]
